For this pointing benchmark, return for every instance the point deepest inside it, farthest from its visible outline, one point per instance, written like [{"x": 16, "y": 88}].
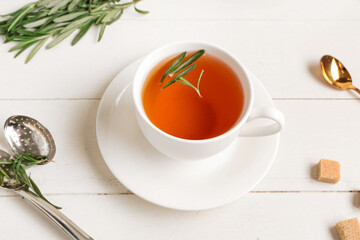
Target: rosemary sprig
[
  {"x": 37, "y": 22},
  {"x": 12, "y": 173},
  {"x": 183, "y": 68}
]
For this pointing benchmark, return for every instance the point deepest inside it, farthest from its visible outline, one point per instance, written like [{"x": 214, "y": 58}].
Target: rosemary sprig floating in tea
[
  {"x": 37, "y": 22},
  {"x": 12, "y": 173},
  {"x": 183, "y": 68}
]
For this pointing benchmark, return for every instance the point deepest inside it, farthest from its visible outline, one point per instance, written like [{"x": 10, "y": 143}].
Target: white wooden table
[{"x": 280, "y": 41}]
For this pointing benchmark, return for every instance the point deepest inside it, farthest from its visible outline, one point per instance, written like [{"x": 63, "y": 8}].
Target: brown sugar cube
[
  {"x": 349, "y": 229},
  {"x": 328, "y": 171}
]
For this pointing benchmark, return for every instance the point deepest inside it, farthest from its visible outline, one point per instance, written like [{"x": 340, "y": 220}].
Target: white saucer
[{"x": 183, "y": 185}]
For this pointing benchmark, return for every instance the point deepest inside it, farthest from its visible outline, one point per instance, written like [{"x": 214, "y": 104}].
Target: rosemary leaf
[
  {"x": 2, "y": 172},
  {"x": 37, "y": 23},
  {"x": 21, "y": 45},
  {"x": 14, "y": 13},
  {"x": 28, "y": 159},
  {"x": 36, "y": 49},
  {"x": 198, "y": 83},
  {"x": 20, "y": 17},
  {"x": 59, "y": 38},
  {"x": 49, "y": 26},
  {"x": 98, "y": 21},
  {"x": 29, "y": 34},
  {"x": 102, "y": 30},
  {"x": 182, "y": 74},
  {"x": 189, "y": 61},
  {"x": 52, "y": 4},
  {"x": 141, "y": 11},
  {"x": 58, "y": 6},
  {"x": 125, "y": 5},
  {"x": 17, "y": 166},
  {"x": 173, "y": 66},
  {"x": 43, "y": 3},
  {"x": 99, "y": 8},
  {"x": 23, "y": 175},
  {"x": 76, "y": 24},
  {"x": 69, "y": 17},
  {"x": 82, "y": 32},
  {"x": 187, "y": 83},
  {"x": 73, "y": 4},
  {"x": 117, "y": 16},
  {"x": 38, "y": 192},
  {"x": 17, "y": 12},
  {"x": 110, "y": 15}
]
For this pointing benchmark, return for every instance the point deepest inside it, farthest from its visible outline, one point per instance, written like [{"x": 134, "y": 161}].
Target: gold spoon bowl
[{"x": 336, "y": 74}]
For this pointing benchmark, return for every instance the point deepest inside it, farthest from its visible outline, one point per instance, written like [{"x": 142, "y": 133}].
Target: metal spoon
[
  {"x": 336, "y": 74},
  {"x": 25, "y": 134}
]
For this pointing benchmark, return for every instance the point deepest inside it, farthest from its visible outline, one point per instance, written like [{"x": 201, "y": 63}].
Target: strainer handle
[{"x": 73, "y": 230}]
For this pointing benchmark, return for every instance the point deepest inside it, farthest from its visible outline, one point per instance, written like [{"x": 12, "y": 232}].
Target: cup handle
[{"x": 258, "y": 131}]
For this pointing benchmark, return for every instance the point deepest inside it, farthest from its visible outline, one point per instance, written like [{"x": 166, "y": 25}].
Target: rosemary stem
[{"x": 5, "y": 163}]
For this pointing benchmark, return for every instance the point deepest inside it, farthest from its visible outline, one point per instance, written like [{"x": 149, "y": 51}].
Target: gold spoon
[{"x": 336, "y": 74}]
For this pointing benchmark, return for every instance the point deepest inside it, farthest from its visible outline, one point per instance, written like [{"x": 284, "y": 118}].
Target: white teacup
[{"x": 185, "y": 149}]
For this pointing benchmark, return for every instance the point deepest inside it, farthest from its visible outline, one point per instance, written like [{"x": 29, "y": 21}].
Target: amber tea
[{"x": 179, "y": 111}]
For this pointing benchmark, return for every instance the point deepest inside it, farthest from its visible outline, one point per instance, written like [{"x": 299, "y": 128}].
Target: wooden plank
[
  {"x": 284, "y": 55},
  {"x": 295, "y": 216},
  {"x": 278, "y": 10},
  {"x": 235, "y": 10},
  {"x": 314, "y": 130}
]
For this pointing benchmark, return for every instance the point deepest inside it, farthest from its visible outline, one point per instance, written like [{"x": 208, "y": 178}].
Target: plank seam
[
  {"x": 51, "y": 99},
  {"x": 99, "y": 99},
  {"x": 264, "y": 20},
  {"x": 129, "y": 193}
]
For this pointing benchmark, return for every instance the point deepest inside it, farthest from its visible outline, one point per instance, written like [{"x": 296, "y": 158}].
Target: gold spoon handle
[{"x": 356, "y": 90}]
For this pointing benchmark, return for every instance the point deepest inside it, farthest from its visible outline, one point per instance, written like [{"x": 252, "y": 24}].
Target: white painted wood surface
[{"x": 279, "y": 41}]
